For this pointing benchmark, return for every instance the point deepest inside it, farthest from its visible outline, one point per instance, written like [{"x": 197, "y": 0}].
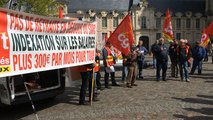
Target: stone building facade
[{"x": 148, "y": 18}]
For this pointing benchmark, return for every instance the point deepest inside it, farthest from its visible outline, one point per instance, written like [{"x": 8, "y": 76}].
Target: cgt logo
[
  {"x": 5, "y": 69},
  {"x": 124, "y": 41}
]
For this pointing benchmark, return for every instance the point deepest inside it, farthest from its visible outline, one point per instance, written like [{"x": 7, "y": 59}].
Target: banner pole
[
  {"x": 25, "y": 84},
  {"x": 92, "y": 90}
]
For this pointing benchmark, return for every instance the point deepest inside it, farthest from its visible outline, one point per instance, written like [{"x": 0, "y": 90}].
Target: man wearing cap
[
  {"x": 161, "y": 52},
  {"x": 142, "y": 51},
  {"x": 198, "y": 53}
]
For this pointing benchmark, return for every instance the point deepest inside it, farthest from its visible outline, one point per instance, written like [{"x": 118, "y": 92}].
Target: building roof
[
  {"x": 99, "y": 5},
  {"x": 122, "y": 5},
  {"x": 178, "y": 5}
]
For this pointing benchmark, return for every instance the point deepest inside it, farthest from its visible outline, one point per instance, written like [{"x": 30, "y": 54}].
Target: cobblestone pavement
[{"x": 150, "y": 100}]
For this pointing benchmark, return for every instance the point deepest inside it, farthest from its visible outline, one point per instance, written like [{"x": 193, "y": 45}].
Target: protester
[
  {"x": 183, "y": 55},
  {"x": 141, "y": 56},
  {"x": 161, "y": 52},
  {"x": 198, "y": 53},
  {"x": 206, "y": 56},
  {"x": 86, "y": 75},
  {"x": 173, "y": 57},
  {"x": 97, "y": 74},
  {"x": 153, "y": 55},
  {"x": 124, "y": 68},
  {"x": 109, "y": 60},
  {"x": 131, "y": 63},
  {"x": 212, "y": 53},
  {"x": 190, "y": 49}
]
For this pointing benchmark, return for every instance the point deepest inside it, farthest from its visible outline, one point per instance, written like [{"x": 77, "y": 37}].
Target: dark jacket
[
  {"x": 132, "y": 58},
  {"x": 161, "y": 54},
  {"x": 153, "y": 47},
  {"x": 198, "y": 52},
  {"x": 173, "y": 53},
  {"x": 183, "y": 53}
]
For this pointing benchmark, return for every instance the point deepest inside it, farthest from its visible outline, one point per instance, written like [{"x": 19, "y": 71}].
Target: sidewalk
[{"x": 150, "y": 100}]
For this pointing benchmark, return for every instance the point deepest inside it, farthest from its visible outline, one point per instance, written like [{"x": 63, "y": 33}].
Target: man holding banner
[{"x": 86, "y": 72}]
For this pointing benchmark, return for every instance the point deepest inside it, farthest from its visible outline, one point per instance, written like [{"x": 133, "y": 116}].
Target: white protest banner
[{"x": 32, "y": 43}]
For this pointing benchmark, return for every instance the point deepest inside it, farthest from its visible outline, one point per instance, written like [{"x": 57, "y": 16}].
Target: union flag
[
  {"x": 61, "y": 12},
  {"x": 167, "y": 27},
  {"x": 122, "y": 38},
  {"x": 209, "y": 29},
  {"x": 204, "y": 40}
]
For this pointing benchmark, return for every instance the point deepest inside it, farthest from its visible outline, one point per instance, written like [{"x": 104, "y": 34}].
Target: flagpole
[{"x": 130, "y": 5}]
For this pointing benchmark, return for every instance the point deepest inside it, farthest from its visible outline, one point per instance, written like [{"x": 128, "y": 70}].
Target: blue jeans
[
  {"x": 124, "y": 72},
  {"x": 196, "y": 63},
  {"x": 140, "y": 67},
  {"x": 183, "y": 66},
  {"x": 154, "y": 62},
  {"x": 163, "y": 66}
]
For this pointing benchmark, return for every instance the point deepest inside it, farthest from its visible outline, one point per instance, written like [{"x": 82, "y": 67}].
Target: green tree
[
  {"x": 40, "y": 7},
  {"x": 3, "y": 2}
]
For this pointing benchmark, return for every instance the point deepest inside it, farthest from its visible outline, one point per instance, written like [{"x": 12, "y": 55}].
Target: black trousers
[
  {"x": 161, "y": 65},
  {"x": 106, "y": 78},
  {"x": 98, "y": 80},
  {"x": 86, "y": 80}
]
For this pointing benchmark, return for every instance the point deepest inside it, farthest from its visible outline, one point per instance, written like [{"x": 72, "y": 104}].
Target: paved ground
[{"x": 150, "y": 100}]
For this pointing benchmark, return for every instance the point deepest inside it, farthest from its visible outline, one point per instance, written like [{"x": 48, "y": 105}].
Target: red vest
[
  {"x": 97, "y": 66},
  {"x": 109, "y": 58}
]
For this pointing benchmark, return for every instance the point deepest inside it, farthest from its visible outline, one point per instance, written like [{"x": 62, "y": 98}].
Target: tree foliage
[
  {"x": 40, "y": 7},
  {"x": 3, "y": 2}
]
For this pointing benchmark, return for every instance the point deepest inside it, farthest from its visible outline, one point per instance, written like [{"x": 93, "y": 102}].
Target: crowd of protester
[{"x": 179, "y": 52}]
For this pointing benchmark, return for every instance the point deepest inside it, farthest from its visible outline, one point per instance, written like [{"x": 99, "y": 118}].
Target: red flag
[
  {"x": 122, "y": 38},
  {"x": 167, "y": 27},
  {"x": 209, "y": 29},
  {"x": 204, "y": 40},
  {"x": 61, "y": 12}
]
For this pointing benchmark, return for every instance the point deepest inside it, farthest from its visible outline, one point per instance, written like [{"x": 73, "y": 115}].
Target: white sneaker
[{"x": 187, "y": 80}]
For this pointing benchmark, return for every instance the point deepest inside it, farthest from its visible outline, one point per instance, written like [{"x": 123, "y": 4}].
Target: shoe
[
  {"x": 181, "y": 79},
  {"x": 129, "y": 86},
  {"x": 123, "y": 81},
  {"x": 108, "y": 87},
  {"x": 115, "y": 84},
  {"x": 164, "y": 80},
  {"x": 187, "y": 80},
  {"x": 97, "y": 93},
  {"x": 95, "y": 99},
  {"x": 134, "y": 85},
  {"x": 141, "y": 77},
  {"x": 158, "y": 80},
  {"x": 100, "y": 89},
  {"x": 83, "y": 103},
  {"x": 191, "y": 73}
]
